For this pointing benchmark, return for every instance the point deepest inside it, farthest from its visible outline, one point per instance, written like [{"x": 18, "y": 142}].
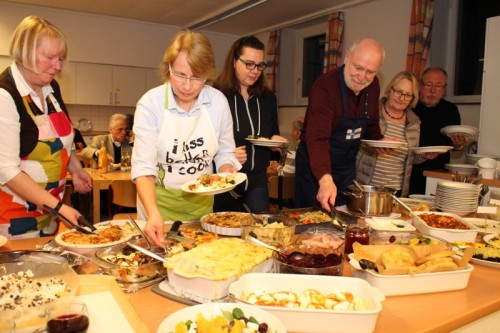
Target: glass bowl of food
[
  {"x": 129, "y": 265},
  {"x": 273, "y": 229},
  {"x": 319, "y": 251}
]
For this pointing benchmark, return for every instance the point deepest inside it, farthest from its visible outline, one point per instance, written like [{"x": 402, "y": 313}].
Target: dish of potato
[{"x": 411, "y": 259}]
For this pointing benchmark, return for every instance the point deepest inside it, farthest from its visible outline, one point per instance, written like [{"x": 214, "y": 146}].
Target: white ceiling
[{"x": 269, "y": 15}]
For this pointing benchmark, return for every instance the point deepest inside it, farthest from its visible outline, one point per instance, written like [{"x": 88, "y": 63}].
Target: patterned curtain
[
  {"x": 333, "y": 43},
  {"x": 273, "y": 60},
  {"x": 419, "y": 40}
]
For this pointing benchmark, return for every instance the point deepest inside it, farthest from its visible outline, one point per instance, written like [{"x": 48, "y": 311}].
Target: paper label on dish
[
  {"x": 495, "y": 202},
  {"x": 486, "y": 210}
]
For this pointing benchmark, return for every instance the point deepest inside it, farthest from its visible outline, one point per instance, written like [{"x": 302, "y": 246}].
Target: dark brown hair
[{"x": 227, "y": 82}]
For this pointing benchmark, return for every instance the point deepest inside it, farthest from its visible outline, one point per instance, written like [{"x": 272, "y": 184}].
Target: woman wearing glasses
[
  {"x": 181, "y": 128},
  {"x": 254, "y": 111},
  {"x": 393, "y": 168}
]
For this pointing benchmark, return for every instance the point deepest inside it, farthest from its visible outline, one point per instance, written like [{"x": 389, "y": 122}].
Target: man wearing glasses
[
  {"x": 114, "y": 141},
  {"x": 435, "y": 113}
]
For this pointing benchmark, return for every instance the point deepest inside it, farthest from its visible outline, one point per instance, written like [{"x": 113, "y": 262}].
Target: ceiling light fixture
[{"x": 233, "y": 11}]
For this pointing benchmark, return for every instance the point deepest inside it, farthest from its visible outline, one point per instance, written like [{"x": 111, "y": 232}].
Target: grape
[{"x": 263, "y": 328}]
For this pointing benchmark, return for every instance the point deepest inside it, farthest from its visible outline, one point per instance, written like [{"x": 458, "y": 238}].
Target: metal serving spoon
[
  {"x": 150, "y": 245},
  {"x": 292, "y": 257},
  {"x": 147, "y": 252},
  {"x": 255, "y": 219}
]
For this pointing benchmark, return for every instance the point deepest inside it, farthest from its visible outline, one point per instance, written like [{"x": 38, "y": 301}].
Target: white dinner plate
[
  {"x": 384, "y": 144},
  {"x": 239, "y": 177},
  {"x": 431, "y": 149},
  {"x": 484, "y": 226},
  {"x": 3, "y": 240},
  {"x": 211, "y": 310},
  {"x": 489, "y": 239},
  {"x": 267, "y": 143},
  {"x": 460, "y": 130}
]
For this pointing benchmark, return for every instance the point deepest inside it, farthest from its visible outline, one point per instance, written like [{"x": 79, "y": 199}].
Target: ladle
[
  {"x": 150, "y": 245},
  {"x": 358, "y": 185},
  {"x": 255, "y": 219}
]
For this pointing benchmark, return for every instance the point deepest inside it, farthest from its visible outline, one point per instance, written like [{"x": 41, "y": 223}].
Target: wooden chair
[
  {"x": 123, "y": 193},
  {"x": 285, "y": 193}
]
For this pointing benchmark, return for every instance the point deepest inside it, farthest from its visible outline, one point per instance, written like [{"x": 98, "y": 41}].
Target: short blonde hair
[
  {"x": 28, "y": 36},
  {"x": 200, "y": 55},
  {"x": 414, "y": 83}
]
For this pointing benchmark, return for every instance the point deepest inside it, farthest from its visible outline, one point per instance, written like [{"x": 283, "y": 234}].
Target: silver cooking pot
[{"x": 372, "y": 201}]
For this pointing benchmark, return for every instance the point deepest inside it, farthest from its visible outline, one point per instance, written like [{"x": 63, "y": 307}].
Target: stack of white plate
[{"x": 457, "y": 198}]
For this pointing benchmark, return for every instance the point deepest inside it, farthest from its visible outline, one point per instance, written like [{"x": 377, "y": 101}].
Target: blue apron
[{"x": 344, "y": 145}]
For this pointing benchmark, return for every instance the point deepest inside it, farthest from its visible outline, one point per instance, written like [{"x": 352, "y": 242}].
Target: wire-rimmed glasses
[{"x": 181, "y": 78}]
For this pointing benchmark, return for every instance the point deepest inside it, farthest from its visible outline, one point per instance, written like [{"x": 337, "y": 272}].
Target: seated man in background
[
  {"x": 114, "y": 141},
  {"x": 289, "y": 167},
  {"x": 435, "y": 113}
]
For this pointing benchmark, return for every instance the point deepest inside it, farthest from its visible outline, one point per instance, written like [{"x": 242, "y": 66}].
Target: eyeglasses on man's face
[
  {"x": 398, "y": 93},
  {"x": 181, "y": 78},
  {"x": 252, "y": 65}
]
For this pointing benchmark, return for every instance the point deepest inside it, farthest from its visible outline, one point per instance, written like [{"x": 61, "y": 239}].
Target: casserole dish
[
  {"x": 362, "y": 319},
  {"x": 450, "y": 235},
  {"x": 204, "y": 273},
  {"x": 406, "y": 284}
]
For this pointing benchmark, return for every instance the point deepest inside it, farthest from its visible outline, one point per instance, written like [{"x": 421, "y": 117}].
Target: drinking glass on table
[
  {"x": 126, "y": 158},
  {"x": 73, "y": 319}
]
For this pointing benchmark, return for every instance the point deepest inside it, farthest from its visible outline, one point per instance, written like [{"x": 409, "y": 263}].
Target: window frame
[{"x": 301, "y": 35}]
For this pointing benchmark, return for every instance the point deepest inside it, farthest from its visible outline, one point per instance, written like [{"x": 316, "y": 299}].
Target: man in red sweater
[{"x": 342, "y": 110}]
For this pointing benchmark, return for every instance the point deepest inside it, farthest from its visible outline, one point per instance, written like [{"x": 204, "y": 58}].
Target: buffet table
[{"x": 438, "y": 312}]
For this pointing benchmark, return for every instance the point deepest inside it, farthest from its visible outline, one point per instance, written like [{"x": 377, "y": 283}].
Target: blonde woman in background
[{"x": 397, "y": 120}]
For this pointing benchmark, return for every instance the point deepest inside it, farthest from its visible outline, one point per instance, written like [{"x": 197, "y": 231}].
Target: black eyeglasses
[
  {"x": 252, "y": 65},
  {"x": 399, "y": 93}
]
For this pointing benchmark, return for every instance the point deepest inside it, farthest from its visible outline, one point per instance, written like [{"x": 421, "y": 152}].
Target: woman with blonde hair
[
  {"x": 393, "y": 168},
  {"x": 36, "y": 134},
  {"x": 180, "y": 128}
]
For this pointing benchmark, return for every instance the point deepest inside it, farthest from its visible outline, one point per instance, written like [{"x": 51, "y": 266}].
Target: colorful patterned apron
[
  {"x": 186, "y": 147},
  {"x": 46, "y": 165}
]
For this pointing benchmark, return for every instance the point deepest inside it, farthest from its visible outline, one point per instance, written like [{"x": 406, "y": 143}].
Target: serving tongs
[
  {"x": 174, "y": 234},
  {"x": 76, "y": 226}
]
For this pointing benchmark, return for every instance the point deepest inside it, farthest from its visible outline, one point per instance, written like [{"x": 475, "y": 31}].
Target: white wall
[{"x": 104, "y": 39}]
